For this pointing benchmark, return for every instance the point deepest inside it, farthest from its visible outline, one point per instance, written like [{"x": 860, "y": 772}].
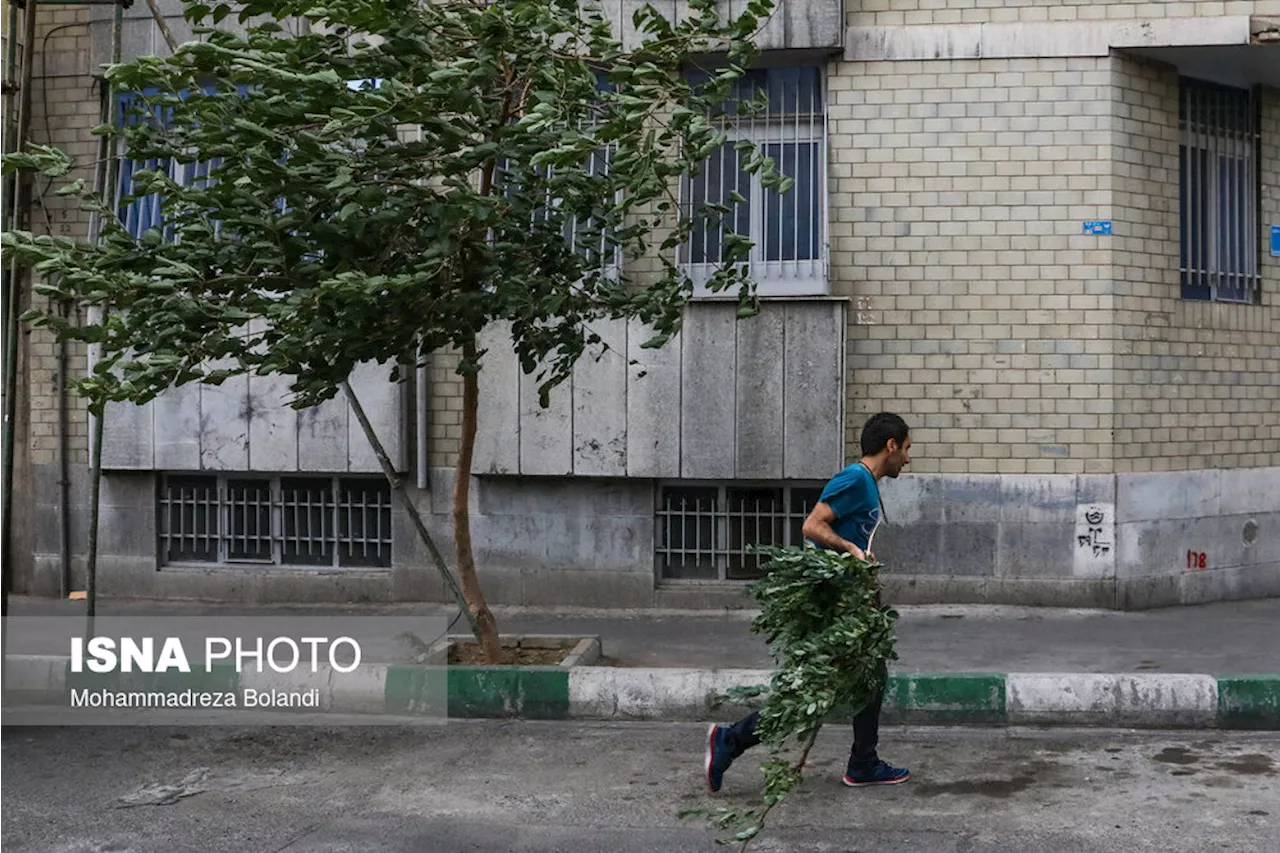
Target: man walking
[{"x": 845, "y": 520}]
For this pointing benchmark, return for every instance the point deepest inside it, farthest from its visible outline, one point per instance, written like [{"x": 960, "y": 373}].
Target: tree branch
[{"x": 163, "y": 25}]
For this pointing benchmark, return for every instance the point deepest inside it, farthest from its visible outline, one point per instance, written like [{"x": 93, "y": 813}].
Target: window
[
  {"x": 588, "y": 233},
  {"x": 290, "y": 521},
  {"x": 584, "y": 235},
  {"x": 703, "y": 531},
  {"x": 144, "y": 212},
  {"x": 1218, "y": 205},
  {"x": 787, "y": 229}
]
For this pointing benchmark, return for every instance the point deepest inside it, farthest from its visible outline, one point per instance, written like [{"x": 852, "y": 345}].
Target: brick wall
[
  {"x": 444, "y": 430},
  {"x": 66, "y": 106},
  {"x": 1197, "y": 383},
  {"x": 957, "y": 194},
  {"x": 885, "y": 13}
]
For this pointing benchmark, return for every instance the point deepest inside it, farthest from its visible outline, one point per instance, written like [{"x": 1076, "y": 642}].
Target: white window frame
[{"x": 807, "y": 277}]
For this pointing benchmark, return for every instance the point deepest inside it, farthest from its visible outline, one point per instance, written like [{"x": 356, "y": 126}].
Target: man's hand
[{"x": 859, "y": 553}]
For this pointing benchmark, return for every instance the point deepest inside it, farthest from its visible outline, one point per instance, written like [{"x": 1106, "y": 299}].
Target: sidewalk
[
  {"x": 1204, "y": 666},
  {"x": 1226, "y": 637}
]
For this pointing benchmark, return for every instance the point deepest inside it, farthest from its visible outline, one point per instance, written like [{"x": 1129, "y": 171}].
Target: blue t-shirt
[{"x": 854, "y": 497}]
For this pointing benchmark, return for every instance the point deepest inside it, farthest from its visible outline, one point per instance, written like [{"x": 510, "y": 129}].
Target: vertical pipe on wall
[
  {"x": 5, "y": 325},
  {"x": 95, "y": 475},
  {"x": 423, "y": 411},
  {"x": 13, "y": 304}
]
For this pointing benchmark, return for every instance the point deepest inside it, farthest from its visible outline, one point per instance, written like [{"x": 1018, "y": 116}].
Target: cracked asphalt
[{"x": 537, "y": 787}]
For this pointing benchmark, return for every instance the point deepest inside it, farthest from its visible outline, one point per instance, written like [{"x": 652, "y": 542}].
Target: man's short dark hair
[{"x": 879, "y": 429}]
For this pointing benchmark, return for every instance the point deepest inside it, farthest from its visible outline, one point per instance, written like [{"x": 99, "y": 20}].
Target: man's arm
[{"x": 818, "y": 528}]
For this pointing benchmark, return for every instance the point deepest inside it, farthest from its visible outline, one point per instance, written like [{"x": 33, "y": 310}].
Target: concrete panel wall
[
  {"x": 1192, "y": 536},
  {"x": 801, "y": 25},
  {"x": 246, "y": 424},
  {"x": 985, "y": 532},
  {"x": 653, "y": 405},
  {"x": 708, "y": 422},
  {"x": 600, "y": 404},
  {"x": 725, "y": 399},
  {"x": 1057, "y": 540}
]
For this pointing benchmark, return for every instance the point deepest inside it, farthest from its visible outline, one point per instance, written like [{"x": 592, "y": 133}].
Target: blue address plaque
[
  {"x": 1275, "y": 241},
  {"x": 1100, "y": 227}
]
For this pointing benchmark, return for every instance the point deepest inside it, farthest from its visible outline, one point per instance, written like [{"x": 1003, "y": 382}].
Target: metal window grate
[
  {"x": 306, "y": 521},
  {"x": 789, "y": 255},
  {"x": 1218, "y": 207},
  {"x": 703, "y": 531},
  {"x": 140, "y": 213}
]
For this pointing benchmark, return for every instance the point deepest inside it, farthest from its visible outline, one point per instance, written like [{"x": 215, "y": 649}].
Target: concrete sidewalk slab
[
  {"x": 1215, "y": 638},
  {"x": 1214, "y": 665}
]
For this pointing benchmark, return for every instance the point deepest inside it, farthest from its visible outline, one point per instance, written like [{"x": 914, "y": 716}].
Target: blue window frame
[{"x": 144, "y": 212}]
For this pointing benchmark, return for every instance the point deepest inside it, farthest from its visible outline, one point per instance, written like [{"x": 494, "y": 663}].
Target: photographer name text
[{"x": 145, "y": 699}]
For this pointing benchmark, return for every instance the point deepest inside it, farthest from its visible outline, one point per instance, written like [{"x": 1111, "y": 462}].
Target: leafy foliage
[
  {"x": 380, "y": 179},
  {"x": 833, "y": 641}
]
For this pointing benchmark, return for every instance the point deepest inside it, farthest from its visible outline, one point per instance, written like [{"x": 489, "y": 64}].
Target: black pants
[{"x": 866, "y": 734}]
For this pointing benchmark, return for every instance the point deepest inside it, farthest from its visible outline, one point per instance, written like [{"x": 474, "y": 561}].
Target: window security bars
[
  {"x": 789, "y": 256},
  {"x": 703, "y": 531},
  {"x": 1218, "y": 166},
  {"x": 145, "y": 212},
  {"x": 298, "y": 521},
  {"x": 585, "y": 237}
]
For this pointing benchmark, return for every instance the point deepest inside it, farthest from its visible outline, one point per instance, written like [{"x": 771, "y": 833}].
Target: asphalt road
[{"x": 578, "y": 786}]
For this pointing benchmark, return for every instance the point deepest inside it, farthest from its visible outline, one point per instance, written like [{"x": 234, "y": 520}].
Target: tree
[{"x": 388, "y": 180}]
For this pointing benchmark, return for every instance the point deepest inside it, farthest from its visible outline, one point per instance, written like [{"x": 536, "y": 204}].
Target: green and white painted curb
[{"x": 625, "y": 693}]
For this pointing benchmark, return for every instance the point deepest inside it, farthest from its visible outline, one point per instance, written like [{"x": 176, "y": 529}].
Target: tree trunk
[{"x": 482, "y": 617}]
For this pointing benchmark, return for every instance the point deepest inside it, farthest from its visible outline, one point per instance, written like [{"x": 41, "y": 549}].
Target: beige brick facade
[
  {"x": 66, "y": 106},
  {"x": 894, "y": 13},
  {"x": 958, "y": 192},
  {"x": 1012, "y": 342},
  {"x": 1198, "y": 383}
]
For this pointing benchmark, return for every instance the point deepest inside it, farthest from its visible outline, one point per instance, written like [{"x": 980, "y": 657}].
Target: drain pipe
[
  {"x": 64, "y": 469},
  {"x": 422, "y": 392}
]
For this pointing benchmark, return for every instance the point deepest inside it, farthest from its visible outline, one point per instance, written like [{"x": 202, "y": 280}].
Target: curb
[{"x": 1140, "y": 700}]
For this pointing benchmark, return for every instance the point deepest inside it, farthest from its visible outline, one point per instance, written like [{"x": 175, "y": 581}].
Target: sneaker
[
  {"x": 719, "y": 756},
  {"x": 881, "y": 774}
]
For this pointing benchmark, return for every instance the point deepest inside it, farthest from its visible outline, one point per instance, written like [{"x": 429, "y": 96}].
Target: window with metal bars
[
  {"x": 586, "y": 235},
  {"x": 289, "y": 521},
  {"x": 139, "y": 213},
  {"x": 789, "y": 254},
  {"x": 1218, "y": 165},
  {"x": 703, "y": 531}
]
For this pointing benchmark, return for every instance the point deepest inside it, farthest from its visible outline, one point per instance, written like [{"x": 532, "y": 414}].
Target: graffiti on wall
[
  {"x": 1094, "y": 545},
  {"x": 1095, "y": 535}
]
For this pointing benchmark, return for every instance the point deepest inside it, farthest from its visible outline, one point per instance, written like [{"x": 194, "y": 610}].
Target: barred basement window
[
  {"x": 789, "y": 256},
  {"x": 703, "y": 531},
  {"x": 1218, "y": 163},
  {"x": 291, "y": 521}
]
